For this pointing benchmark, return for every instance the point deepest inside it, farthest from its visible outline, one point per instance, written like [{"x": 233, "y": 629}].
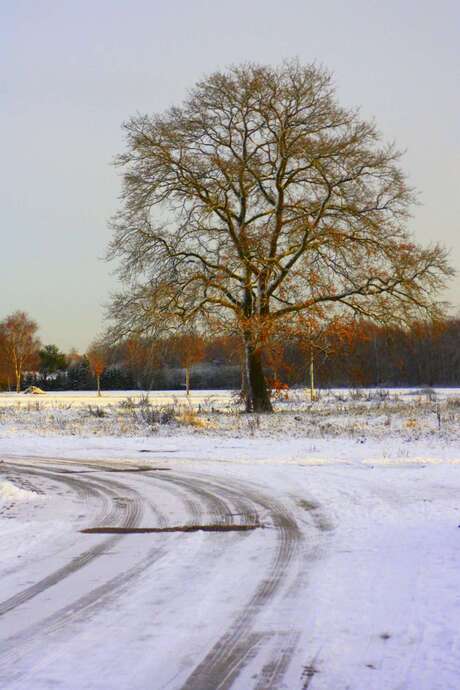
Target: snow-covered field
[
  {"x": 350, "y": 578},
  {"x": 429, "y": 415}
]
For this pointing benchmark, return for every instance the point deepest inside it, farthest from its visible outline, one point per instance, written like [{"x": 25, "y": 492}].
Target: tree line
[
  {"x": 24, "y": 361},
  {"x": 426, "y": 354}
]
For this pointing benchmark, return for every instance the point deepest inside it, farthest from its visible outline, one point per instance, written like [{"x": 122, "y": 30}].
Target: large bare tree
[{"x": 260, "y": 200}]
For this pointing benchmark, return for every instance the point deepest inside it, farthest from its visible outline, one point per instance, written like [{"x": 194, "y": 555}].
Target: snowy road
[
  {"x": 89, "y": 580},
  {"x": 350, "y": 582}
]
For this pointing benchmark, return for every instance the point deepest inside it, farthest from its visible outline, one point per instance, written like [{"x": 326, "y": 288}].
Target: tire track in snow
[
  {"x": 240, "y": 643},
  {"x": 126, "y": 511},
  {"x": 22, "y": 644},
  {"x": 273, "y": 671}
]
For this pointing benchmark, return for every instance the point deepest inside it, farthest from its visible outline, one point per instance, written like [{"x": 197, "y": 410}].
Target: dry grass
[
  {"x": 190, "y": 417},
  {"x": 351, "y": 414}
]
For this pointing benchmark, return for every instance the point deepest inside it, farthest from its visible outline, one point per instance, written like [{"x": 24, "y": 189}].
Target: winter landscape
[
  {"x": 348, "y": 579},
  {"x": 229, "y": 346}
]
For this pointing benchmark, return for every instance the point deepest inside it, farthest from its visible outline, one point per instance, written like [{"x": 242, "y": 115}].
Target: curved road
[{"x": 201, "y": 611}]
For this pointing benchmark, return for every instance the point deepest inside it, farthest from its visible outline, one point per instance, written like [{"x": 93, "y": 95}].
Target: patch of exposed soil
[{"x": 178, "y": 528}]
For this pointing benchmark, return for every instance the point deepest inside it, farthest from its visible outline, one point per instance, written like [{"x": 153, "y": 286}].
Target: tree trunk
[
  {"x": 312, "y": 376},
  {"x": 244, "y": 379},
  {"x": 98, "y": 381},
  {"x": 18, "y": 381},
  {"x": 187, "y": 380},
  {"x": 257, "y": 395},
  {"x": 244, "y": 392}
]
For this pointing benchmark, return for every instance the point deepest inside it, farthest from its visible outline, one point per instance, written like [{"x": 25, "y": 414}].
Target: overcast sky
[{"x": 71, "y": 71}]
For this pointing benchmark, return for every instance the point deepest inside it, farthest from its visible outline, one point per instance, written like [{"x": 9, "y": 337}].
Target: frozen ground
[
  {"x": 350, "y": 582},
  {"x": 432, "y": 416}
]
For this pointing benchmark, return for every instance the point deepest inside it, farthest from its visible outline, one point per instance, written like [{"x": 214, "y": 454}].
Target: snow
[
  {"x": 10, "y": 492},
  {"x": 351, "y": 583},
  {"x": 216, "y": 397}
]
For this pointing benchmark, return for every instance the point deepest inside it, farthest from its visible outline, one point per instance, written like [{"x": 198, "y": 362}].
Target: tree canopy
[
  {"x": 51, "y": 360},
  {"x": 262, "y": 205}
]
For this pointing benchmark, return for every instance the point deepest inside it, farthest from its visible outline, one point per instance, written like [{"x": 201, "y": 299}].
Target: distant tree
[
  {"x": 73, "y": 356},
  {"x": 355, "y": 351},
  {"x": 224, "y": 348},
  {"x": 229, "y": 349},
  {"x": 20, "y": 344},
  {"x": 134, "y": 359},
  {"x": 314, "y": 339},
  {"x": 450, "y": 357},
  {"x": 190, "y": 349},
  {"x": 78, "y": 374},
  {"x": 97, "y": 358},
  {"x": 6, "y": 368},
  {"x": 142, "y": 357},
  {"x": 51, "y": 360}
]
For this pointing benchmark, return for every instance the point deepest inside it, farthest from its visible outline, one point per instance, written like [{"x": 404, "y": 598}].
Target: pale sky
[{"x": 71, "y": 71}]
